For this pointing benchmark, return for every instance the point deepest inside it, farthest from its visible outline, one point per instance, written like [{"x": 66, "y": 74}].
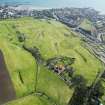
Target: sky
[{"x": 97, "y": 4}]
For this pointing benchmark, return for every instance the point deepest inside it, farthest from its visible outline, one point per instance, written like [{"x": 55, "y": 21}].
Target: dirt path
[{"x": 7, "y": 91}]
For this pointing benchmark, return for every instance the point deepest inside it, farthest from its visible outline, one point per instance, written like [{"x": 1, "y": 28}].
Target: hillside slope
[{"x": 52, "y": 39}]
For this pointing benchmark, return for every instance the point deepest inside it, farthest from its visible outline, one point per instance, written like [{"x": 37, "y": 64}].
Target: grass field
[
  {"x": 31, "y": 100},
  {"x": 87, "y": 25},
  {"x": 53, "y": 39}
]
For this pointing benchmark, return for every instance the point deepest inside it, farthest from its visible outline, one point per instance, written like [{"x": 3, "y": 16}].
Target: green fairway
[
  {"x": 18, "y": 60},
  {"x": 50, "y": 84},
  {"x": 52, "y": 39},
  {"x": 45, "y": 34},
  {"x": 31, "y": 100}
]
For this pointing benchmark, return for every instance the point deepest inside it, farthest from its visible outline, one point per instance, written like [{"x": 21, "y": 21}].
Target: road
[{"x": 7, "y": 91}]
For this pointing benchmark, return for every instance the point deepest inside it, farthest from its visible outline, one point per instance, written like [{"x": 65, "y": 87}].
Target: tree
[
  {"x": 79, "y": 95},
  {"x": 96, "y": 93},
  {"x": 35, "y": 53},
  {"x": 78, "y": 80},
  {"x": 79, "y": 84}
]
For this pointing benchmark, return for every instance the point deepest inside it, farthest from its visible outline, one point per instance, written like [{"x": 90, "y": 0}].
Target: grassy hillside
[
  {"x": 53, "y": 39},
  {"x": 87, "y": 25},
  {"x": 32, "y": 100}
]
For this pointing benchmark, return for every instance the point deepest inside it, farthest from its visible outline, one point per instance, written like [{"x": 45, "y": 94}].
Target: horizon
[{"x": 96, "y": 4}]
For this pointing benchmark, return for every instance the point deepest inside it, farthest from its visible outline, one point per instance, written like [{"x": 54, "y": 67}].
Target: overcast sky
[{"x": 97, "y": 4}]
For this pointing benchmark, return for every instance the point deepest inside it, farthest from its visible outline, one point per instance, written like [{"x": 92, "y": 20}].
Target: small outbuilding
[{"x": 59, "y": 68}]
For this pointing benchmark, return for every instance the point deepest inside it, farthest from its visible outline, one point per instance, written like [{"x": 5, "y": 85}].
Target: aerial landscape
[{"x": 52, "y": 52}]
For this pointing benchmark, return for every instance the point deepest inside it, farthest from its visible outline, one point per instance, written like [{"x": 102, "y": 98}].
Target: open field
[
  {"x": 31, "y": 100},
  {"x": 53, "y": 39},
  {"x": 87, "y": 25}
]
